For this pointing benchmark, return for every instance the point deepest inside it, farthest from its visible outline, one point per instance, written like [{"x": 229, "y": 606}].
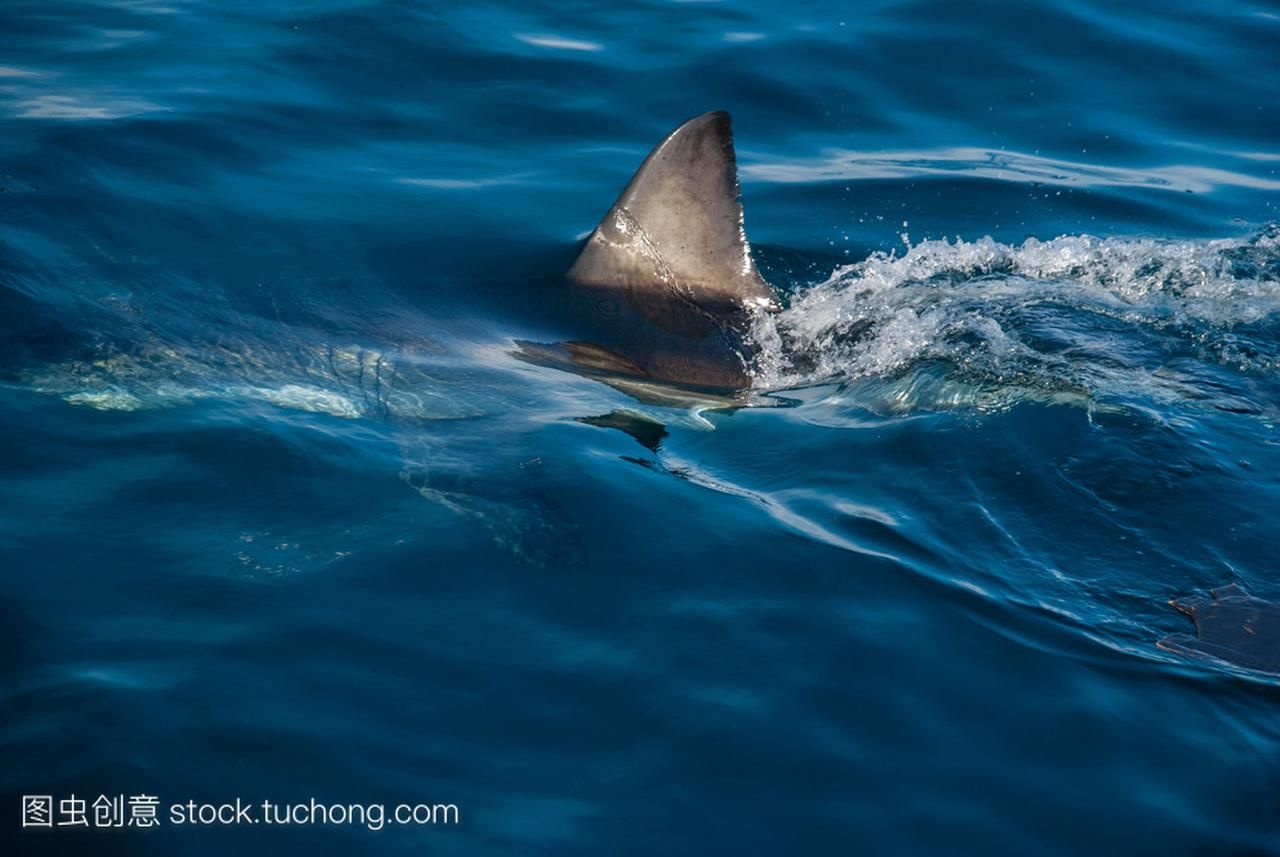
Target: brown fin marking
[{"x": 584, "y": 358}]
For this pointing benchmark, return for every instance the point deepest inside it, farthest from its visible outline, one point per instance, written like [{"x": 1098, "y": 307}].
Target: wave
[
  {"x": 1077, "y": 315},
  {"x": 1020, "y": 167}
]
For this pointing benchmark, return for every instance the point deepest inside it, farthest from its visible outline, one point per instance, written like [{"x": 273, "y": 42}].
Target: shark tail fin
[{"x": 678, "y": 224}]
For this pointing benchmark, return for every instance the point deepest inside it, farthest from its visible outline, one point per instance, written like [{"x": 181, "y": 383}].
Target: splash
[{"x": 956, "y": 322}]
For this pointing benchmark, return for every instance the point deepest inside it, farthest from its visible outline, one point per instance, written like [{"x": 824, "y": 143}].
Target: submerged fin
[
  {"x": 645, "y": 431},
  {"x": 678, "y": 225},
  {"x": 1231, "y": 626}
]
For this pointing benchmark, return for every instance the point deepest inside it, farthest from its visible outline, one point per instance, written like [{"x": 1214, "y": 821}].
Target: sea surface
[{"x": 283, "y": 516}]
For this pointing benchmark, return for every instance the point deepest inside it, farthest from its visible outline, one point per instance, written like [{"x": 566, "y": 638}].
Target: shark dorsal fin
[{"x": 678, "y": 224}]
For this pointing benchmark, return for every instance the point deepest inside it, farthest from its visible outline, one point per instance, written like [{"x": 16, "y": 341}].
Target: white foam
[
  {"x": 106, "y": 400},
  {"x": 307, "y": 398},
  {"x": 966, "y": 305}
]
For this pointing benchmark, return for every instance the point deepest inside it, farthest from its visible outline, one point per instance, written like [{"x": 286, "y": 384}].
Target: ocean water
[{"x": 285, "y": 518}]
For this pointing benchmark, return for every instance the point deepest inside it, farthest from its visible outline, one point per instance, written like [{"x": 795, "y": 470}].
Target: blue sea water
[{"x": 285, "y": 518}]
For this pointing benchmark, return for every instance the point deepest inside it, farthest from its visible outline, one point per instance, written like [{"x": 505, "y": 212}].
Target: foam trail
[{"x": 1075, "y": 315}]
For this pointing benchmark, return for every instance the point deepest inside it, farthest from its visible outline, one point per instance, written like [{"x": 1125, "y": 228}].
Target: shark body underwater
[
  {"x": 664, "y": 294},
  {"x": 666, "y": 287}
]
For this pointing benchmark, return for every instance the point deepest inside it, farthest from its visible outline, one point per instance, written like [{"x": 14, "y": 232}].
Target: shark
[{"x": 665, "y": 288}]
